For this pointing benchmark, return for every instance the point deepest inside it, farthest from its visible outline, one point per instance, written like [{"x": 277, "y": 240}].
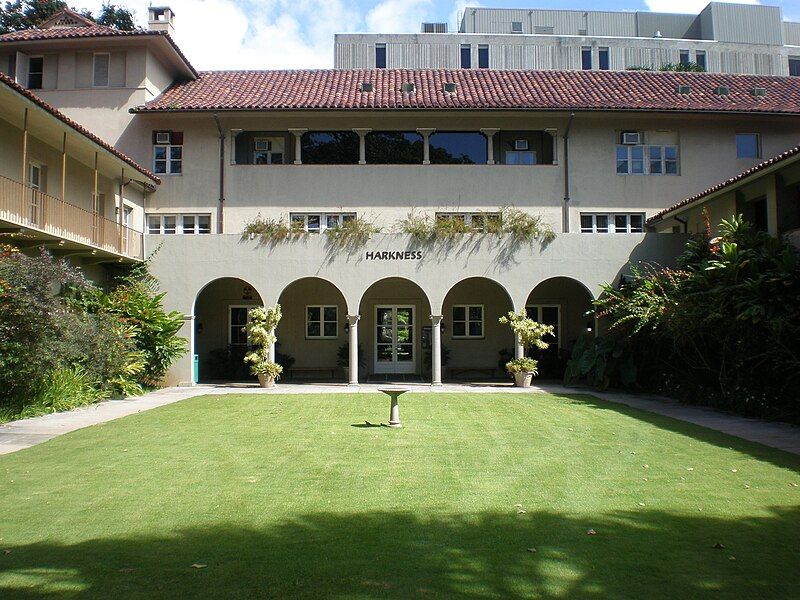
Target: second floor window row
[{"x": 647, "y": 160}]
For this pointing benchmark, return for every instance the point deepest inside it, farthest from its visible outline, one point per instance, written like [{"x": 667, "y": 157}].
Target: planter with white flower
[
  {"x": 261, "y": 332},
  {"x": 529, "y": 334}
]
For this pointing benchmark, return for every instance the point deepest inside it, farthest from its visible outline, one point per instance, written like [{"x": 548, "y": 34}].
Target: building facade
[
  {"x": 591, "y": 155},
  {"x": 722, "y": 38}
]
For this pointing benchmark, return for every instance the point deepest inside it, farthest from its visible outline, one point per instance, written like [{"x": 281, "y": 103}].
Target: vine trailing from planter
[
  {"x": 351, "y": 233},
  {"x": 519, "y": 225},
  {"x": 261, "y": 331},
  {"x": 271, "y": 231}
]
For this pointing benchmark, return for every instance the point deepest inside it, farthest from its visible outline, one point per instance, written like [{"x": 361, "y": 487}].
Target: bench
[
  {"x": 290, "y": 373},
  {"x": 456, "y": 371}
]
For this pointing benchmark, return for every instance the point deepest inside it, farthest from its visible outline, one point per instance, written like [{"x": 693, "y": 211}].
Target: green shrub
[{"x": 64, "y": 389}]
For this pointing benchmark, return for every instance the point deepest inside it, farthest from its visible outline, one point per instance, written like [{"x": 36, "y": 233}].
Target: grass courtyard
[{"x": 478, "y": 496}]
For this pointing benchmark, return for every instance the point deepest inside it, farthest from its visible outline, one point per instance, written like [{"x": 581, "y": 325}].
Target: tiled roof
[
  {"x": 727, "y": 183},
  {"x": 7, "y": 81},
  {"x": 480, "y": 89},
  {"x": 91, "y": 31}
]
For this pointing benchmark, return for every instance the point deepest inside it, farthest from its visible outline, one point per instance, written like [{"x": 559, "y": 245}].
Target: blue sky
[{"x": 276, "y": 34}]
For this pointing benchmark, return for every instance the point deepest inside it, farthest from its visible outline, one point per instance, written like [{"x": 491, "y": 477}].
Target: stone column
[
  {"x": 519, "y": 349},
  {"x": 272, "y": 352},
  {"x": 298, "y": 146},
  {"x": 554, "y": 134},
  {"x": 362, "y": 145},
  {"x": 489, "y": 133},
  {"x": 352, "y": 321},
  {"x": 436, "y": 350},
  {"x": 426, "y": 132}
]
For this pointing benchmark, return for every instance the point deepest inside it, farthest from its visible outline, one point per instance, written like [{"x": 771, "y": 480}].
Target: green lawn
[{"x": 478, "y": 496}]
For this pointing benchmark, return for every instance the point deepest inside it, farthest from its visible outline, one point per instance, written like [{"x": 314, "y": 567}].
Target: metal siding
[
  {"x": 747, "y": 24},
  {"x": 612, "y": 23},
  {"x": 670, "y": 25},
  {"x": 791, "y": 34}
]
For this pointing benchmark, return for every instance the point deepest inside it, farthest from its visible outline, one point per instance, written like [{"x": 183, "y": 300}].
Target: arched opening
[
  {"x": 474, "y": 344},
  {"x": 312, "y": 335},
  {"x": 562, "y": 302},
  {"x": 395, "y": 330},
  {"x": 221, "y": 312}
]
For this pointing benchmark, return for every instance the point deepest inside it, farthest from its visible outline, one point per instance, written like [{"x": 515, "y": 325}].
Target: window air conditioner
[
  {"x": 263, "y": 145},
  {"x": 520, "y": 144},
  {"x": 631, "y": 138},
  {"x": 162, "y": 137}
]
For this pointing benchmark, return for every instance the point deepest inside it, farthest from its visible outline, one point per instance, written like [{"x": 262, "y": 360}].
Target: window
[
  {"x": 171, "y": 224},
  {"x": 647, "y": 160},
  {"x": 483, "y": 57},
  {"x": 482, "y": 221},
  {"x": 35, "y": 176},
  {"x": 516, "y": 26},
  {"x": 268, "y": 151},
  {"x": 700, "y": 59},
  {"x": 380, "y": 56},
  {"x": 168, "y": 157},
  {"x": 322, "y": 322},
  {"x": 466, "y": 56},
  {"x": 318, "y": 222},
  {"x": 605, "y": 61},
  {"x": 238, "y": 318},
  {"x": 523, "y": 147},
  {"x": 612, "y": 223},
  {"x": 748, "y": 145},
  {"x": 586, "y": 58},
  {"x": 102, "y": 63},
  {"x": 794, "y": 66},
  {"x": 468, "y": 321},
  {"x": 394, "y": 148},
  {"x": 36, "y": 72},
  {"x": 547, "y": 314},
  {"x": 330, "y": 148},
  {"x": 458, "y": 148},
  {"x": 684, "y": 57}
]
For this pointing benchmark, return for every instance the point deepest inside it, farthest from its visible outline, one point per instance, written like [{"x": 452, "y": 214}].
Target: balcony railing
[{"x": 30, "y": 208}]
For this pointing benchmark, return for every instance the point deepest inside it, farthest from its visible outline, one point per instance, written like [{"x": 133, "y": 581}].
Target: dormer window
[{"x": 102, "y": 64}]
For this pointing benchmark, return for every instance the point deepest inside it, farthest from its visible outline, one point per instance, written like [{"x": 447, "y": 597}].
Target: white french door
[{"x": 395, "y": 339}]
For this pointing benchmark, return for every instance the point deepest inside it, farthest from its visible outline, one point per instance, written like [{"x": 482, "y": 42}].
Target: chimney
[{"x": 161, "y": 18}]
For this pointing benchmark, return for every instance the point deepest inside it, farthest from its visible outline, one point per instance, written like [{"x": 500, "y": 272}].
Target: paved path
[{"x": 29, "y": 432}]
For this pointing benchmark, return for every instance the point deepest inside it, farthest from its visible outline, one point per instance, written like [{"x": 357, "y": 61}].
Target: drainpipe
[
  {"x": 221, "y": 204},
  {"x": 565, "y": 208}
]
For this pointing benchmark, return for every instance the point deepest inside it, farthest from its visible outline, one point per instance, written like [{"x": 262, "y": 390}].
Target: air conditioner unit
[
  {"x": 263, "y": 145},
  {"x": 434, "y": 28},
  {"x": 631, "y": 138},
  {"x": 520, "y": 144},
  {"x": 162, "y": 137}
]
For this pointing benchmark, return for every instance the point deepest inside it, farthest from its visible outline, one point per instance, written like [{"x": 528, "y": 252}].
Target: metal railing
[{"x": 30, "y": 208}]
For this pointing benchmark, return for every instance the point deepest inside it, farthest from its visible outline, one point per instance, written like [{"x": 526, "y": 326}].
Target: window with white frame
[
  {"x": 318, "y": 222},
  {"x": 640, "y": 159},
  {"x": 322, "y": 322},
  {"x": 182, "y": 224},
  {"x": 238, "y": 318},
  {"x": 468, "y": 321},
  {"x": 480, "y": 221},
  {"x": 612, "y": 223},
  {"x": 268, "y": 150},
  {"x": 101, "y": 69},
  {"x": 547, "y": 314},
  {"x": 168, "y": 152}
]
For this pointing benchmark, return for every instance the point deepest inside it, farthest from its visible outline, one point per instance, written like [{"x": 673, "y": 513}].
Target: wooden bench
[
  {"x": 290, "y": 373},
  {"x": 489, "y": 371}
]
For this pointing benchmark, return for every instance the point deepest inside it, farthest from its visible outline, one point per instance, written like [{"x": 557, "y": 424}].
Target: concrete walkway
[{"x": 29, "y": 432}]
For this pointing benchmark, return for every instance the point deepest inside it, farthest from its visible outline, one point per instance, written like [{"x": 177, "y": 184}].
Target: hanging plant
[
  {"x": 270, "y": 231},
  {"x": 352, "y": 233}
]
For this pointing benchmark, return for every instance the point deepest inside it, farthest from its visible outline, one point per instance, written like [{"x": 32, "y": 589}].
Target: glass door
[{"x": 394, "y": 339}]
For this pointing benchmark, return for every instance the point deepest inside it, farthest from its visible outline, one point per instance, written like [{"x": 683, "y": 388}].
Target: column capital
[
  {"x": 489, "y": 131},
  {"x": 436, "y": 319},
  {"x": 425, "y": 131},
  {"x": 362, "y": 130},
  {"x": 297, "y": 131},
  {"x": 353, "y": 319}
]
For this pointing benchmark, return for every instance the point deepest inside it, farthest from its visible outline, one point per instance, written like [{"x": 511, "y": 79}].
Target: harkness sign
[{"x": 402, "y": 255}]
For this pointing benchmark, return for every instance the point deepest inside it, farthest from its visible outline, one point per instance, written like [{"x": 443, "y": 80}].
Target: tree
[{"x": 18, "y": 15}]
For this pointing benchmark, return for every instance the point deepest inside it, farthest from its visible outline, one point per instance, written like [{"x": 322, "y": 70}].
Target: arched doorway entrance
[
  {"x": 562, "y": 302},
  {"x": 395, "y": 330},
  {"x": 475, "y": 344},
  {"x": 221, "y": 312},
  {"x": 312, "y": 335}
]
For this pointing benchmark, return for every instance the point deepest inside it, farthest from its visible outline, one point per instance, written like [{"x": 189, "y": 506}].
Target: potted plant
[
  {"x": 261, "y": 331},
  {"x": 523, "y": 369},
  {"x": 529, "y": 334}
]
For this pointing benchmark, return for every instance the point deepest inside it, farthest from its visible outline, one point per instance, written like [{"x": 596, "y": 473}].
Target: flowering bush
[
  {"x": 523, "y": 365},
  {"x": 530, "y": 332},
  {"x": 261, "y": 330}
]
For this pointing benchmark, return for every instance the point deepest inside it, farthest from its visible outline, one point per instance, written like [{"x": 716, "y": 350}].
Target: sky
[{"x": 291, "y": 34}]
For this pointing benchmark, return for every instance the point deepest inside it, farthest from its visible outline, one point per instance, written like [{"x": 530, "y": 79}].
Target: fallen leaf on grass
[
  {"x": 641, "y": 503},
  {"x": 6, "y": 551},
  {"x": 690, "y": 468},
  {"x": 531, "y": 549},
  {"x": 734, "y": 470},
  {"x": 591, "y": 532},
  {"x": 520, "y": 511},
  {"x": 199, "y": 566},
  {"x": 718, "y": 546},
  {"x": 731, "y": 558}
]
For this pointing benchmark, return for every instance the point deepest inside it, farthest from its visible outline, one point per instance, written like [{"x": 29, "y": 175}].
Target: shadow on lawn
[
  {"x": 641, "y": 554},
  {"x": 774, "y": 456}
]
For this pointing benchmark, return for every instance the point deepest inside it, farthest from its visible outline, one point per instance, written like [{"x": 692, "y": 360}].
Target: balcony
[{"x": 47, "y": 217}]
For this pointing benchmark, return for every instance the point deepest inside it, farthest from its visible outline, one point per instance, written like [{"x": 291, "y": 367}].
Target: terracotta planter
[
  {"x": 523, "y": 379},
  {"x": 266, "y": 381}
]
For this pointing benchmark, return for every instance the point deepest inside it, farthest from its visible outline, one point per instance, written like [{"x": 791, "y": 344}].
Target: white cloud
[
  {"x": 686, "y": 6},
  {"x": 398, "y": 16}
]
